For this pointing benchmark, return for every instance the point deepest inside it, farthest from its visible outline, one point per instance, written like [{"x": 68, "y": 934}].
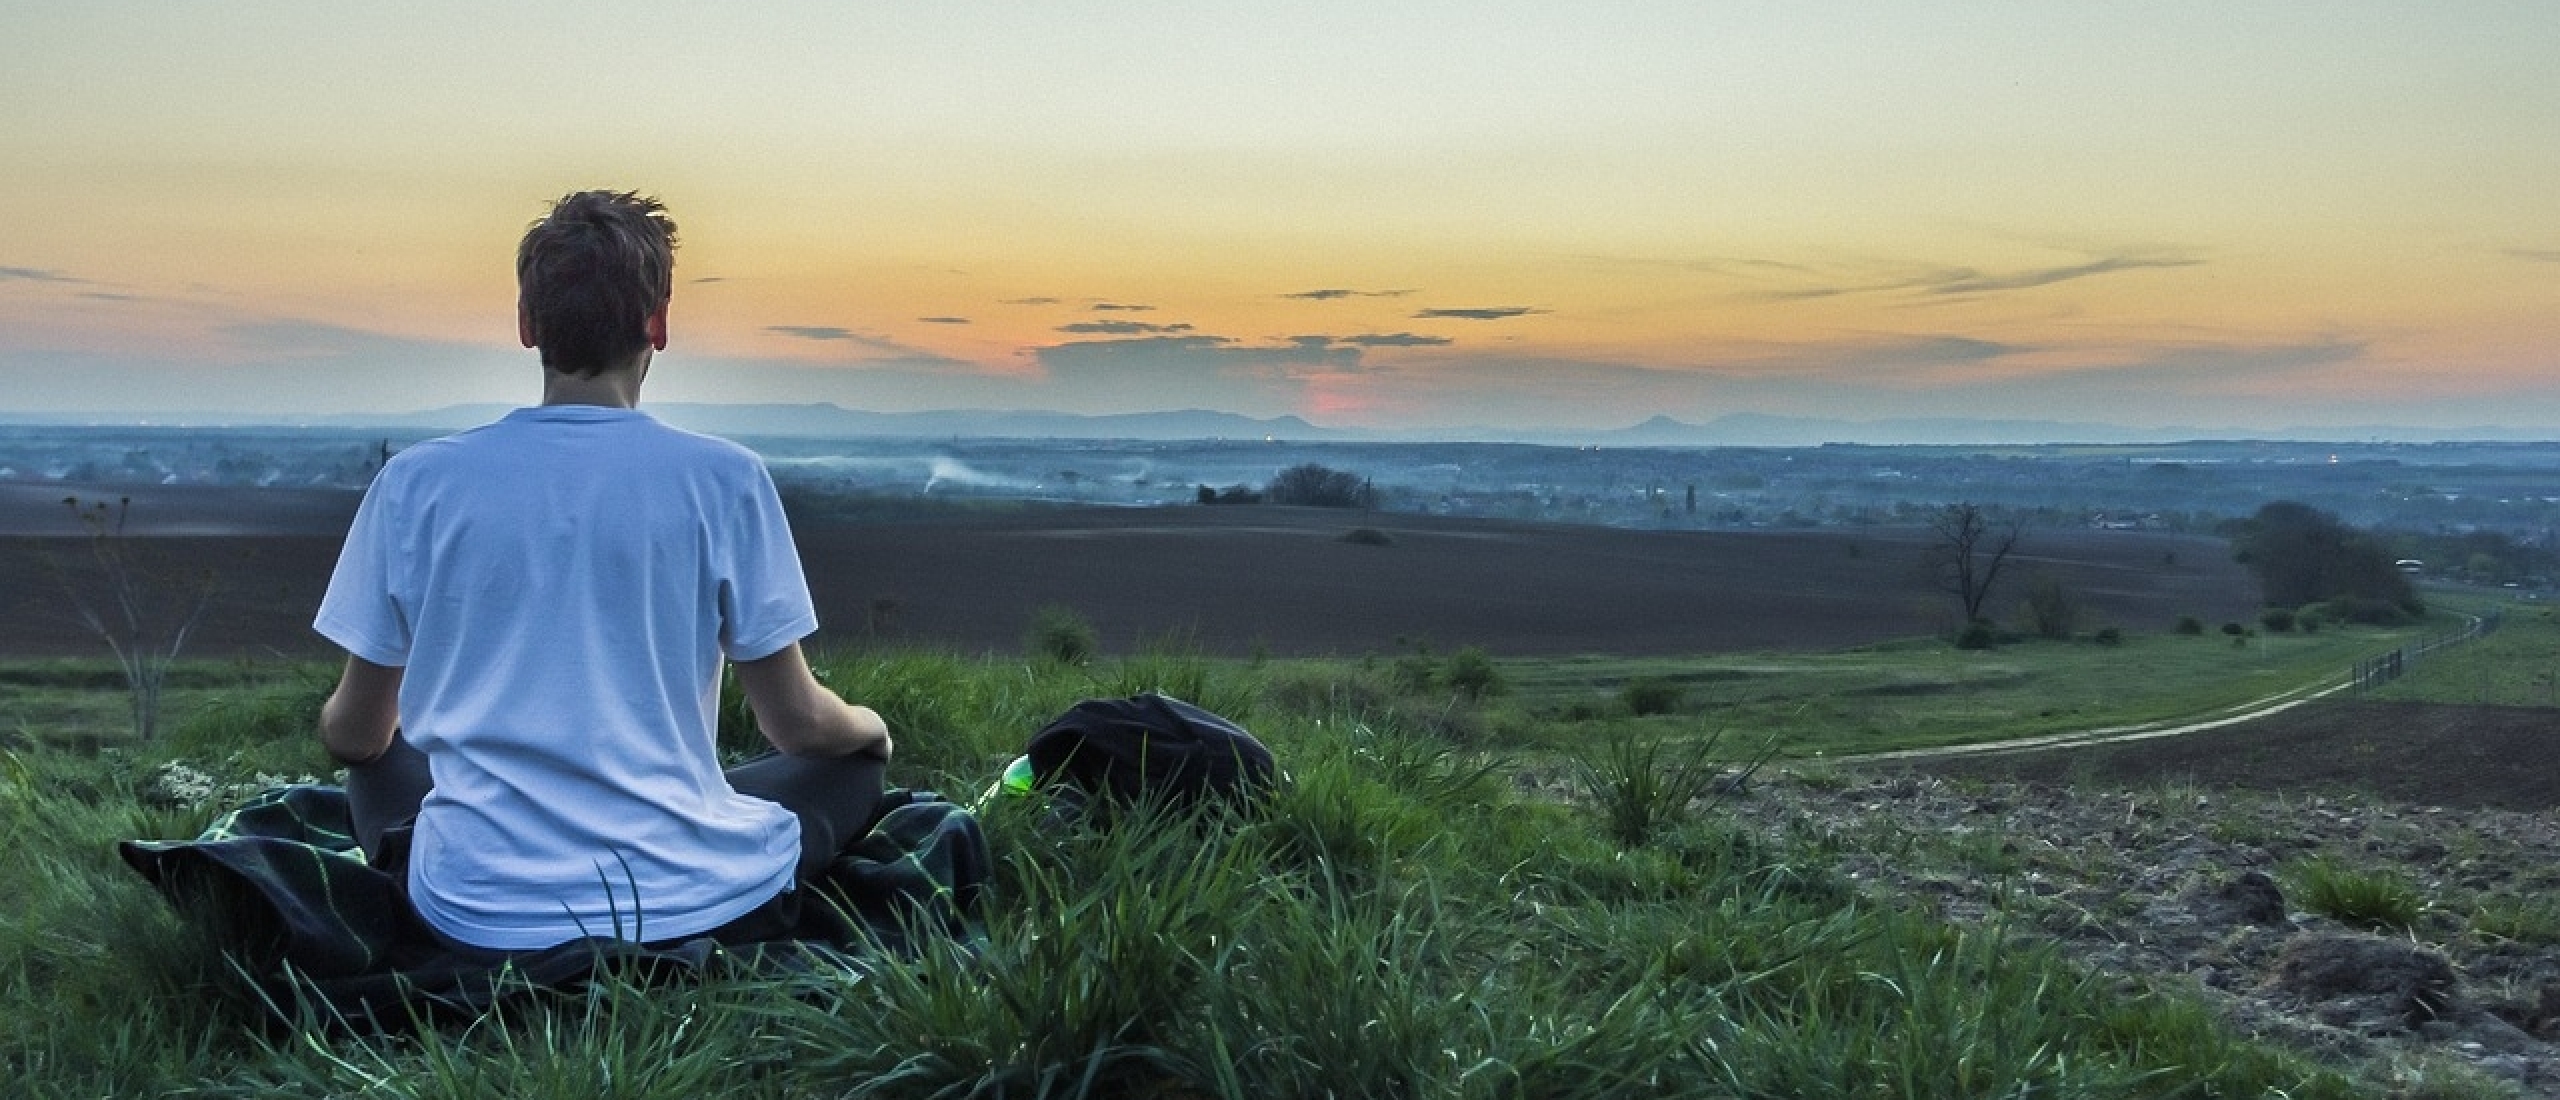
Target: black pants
[{"x": 835, "y": 798}]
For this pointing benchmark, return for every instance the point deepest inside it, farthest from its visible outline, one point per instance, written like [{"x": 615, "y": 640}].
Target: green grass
[
  {"x": 2513, "y": 666},
  {"x": 2533, "y": 919},
  {"x": 2378, "y": 899},
  {"x": 1401, "y": 920},
  {"x": 1927, "y": 693}
]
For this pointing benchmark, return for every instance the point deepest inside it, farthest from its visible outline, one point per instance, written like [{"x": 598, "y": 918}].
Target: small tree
[
  {"x": 2050, "y": 611},
  {"x": 144, "y": 615},
  {"x": 1968, "y": 554}
]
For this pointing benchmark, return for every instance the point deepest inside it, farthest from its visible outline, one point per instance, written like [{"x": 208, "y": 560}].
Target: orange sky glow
[{"x": 1436, "y": 217}]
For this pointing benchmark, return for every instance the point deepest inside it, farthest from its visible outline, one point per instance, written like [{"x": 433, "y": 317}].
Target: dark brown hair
[{"x": 589, "y": 274}]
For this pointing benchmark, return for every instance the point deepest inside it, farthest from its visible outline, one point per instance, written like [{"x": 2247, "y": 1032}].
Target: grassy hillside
[{"x": 1406, "y": 919}]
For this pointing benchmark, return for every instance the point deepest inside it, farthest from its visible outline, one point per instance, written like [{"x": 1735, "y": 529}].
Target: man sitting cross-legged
[{"x": 536, "y": 614}]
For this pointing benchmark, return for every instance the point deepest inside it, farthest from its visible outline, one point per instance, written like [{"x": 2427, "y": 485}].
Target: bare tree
[
  {"x": 143, "y": 616},
  {"x": 1968, "y": 554}
]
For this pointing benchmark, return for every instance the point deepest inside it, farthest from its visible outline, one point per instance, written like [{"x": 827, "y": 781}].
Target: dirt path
[{"x": 2252, "y": 711}]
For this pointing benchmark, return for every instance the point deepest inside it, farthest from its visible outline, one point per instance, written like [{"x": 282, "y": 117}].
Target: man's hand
[
  {"x": 357, "y": 722},
  {"x": 800, "y": 716}
]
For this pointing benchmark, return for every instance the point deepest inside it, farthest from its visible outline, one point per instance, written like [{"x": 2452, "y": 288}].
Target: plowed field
[{"x": 1282, "y": 581}]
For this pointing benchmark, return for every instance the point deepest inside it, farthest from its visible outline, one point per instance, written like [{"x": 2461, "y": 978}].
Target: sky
[{"x": 1420, "y": 216}]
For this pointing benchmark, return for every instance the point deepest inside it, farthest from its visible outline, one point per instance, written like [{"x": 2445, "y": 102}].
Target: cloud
[
  {"x": 835, "y": 333},
  {"x": 111, "y": 296},
  {"x": 1395, "y": 340},
  {"x": 1026, "y": 301},
  {"x": 1331, "y": 293},
  {"x": 1120, "y": 328},
  {"x": 36, "y": 275},
  {"x": 814, "y": 332},
  {"x": 944, "y": 320},
  {"x": 710, "y": 279},
  {"x": 2537, "y": 255},
  {"x": 1488, "y": 313},
  {"x": 1917, "y": 351},
  {"x": 1121, "y": 307},
  {"x": 1968, "y": 281},
  {"x": 1957, "y": 280},
  {"x": 1194, "y": 370}
]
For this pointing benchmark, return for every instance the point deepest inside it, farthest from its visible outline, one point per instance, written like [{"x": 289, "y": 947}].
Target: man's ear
[
  {"x": 656, "y": 326},
  {"x": 524, "y": 324}
]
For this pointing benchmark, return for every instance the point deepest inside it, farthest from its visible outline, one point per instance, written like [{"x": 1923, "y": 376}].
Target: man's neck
[{"x": 614, "y": 389}]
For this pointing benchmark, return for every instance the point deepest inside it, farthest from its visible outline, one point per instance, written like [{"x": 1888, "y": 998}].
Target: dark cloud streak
[
  {"x": 1120, "y": 328},
  {"x": 1968, "y": 281},
  {"x": 1396, "y": 340},
  {"x": 837, "y": 333},
  {"x": 1486, "y": 313},
  {"x": 1332, "y": 293},
  {"x": 1956, "y": 281},
  {"x": 814, "y": 332},
  {"x": 37, "y": 275}
]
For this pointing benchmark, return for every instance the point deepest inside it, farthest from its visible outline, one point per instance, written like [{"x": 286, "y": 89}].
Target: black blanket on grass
[{"x": 322, "y": 936}]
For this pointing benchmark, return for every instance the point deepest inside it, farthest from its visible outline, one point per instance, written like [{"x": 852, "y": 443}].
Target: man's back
[{"x": 562, "y": 587}]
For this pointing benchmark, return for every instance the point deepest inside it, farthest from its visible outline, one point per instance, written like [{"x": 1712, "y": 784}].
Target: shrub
[
  {"x": 1646, "y": 695},
  {"x": 1418, "y": 672},
  {"x": 2108, "y": 636},
  {"x": 2277, "y": 620},
  {"x": 1977, "y": 634},
  {"x": 1315, "y": 485},
  {"x": 1061, "y": 635},
  {"x": 1368, "y": 536},
  {"x": 1471, "y": 673},
  {"x": 2190, "y": 625},
  {"x": 2358, "y": 609},
  {"x": 2234, "y": 629}
]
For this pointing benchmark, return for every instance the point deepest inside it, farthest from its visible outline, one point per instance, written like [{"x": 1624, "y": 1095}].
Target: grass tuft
[
  {"x": 1643, "y": 784},
  {"x": 2378, "y": 899}
]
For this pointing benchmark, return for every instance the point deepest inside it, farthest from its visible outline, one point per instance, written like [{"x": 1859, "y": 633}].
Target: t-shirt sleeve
[
  {"x": 764, "y": 603},
  {"x": 361, "y": 611}
]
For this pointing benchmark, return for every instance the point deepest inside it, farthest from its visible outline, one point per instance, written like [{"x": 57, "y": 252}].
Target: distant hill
[
  {"x": 1762, "y": 430},
  {"x": 822, "y": 421}
]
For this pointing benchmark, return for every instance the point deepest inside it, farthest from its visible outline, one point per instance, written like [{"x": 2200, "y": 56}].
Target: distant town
[{"x": 2480, "y": 511}]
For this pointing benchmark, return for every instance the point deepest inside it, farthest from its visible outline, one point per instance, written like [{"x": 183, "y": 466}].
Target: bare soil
[
  {"x": 2176, "y": 864},
  {"x": 2455, "y": 757}
]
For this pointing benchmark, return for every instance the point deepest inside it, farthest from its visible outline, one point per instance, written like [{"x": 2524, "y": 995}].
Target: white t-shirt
[{"x": 561, "y": 587}]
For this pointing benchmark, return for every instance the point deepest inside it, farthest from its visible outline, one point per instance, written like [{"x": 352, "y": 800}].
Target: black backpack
[{"x": 1150, "y": 748}]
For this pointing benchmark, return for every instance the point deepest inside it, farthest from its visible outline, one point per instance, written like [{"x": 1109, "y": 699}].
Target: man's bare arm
[
  {"x": 800, "y": 716},
  {"x": 357, "y": 722}
]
